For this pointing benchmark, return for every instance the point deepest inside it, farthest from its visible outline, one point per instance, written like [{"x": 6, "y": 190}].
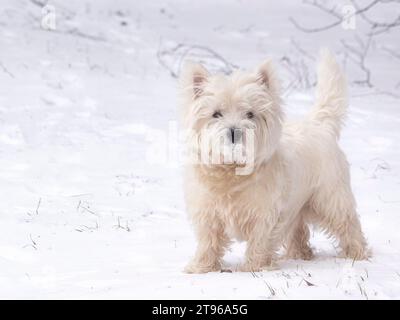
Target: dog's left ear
[
  {"x": 266, "y": 76},
  {"x": 193, "y": 79}
]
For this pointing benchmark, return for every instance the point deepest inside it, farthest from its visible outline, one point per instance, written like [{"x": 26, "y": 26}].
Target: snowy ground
[{"x": 85, "y": 214}]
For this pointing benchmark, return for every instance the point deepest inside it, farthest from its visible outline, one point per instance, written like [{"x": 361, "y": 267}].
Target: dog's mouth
[
  {"x": 214, "y": 149},
  {"x": 232, "y": 155}
]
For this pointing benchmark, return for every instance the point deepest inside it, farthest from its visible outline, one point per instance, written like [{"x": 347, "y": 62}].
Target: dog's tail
[{"x": 331, "y": 97}]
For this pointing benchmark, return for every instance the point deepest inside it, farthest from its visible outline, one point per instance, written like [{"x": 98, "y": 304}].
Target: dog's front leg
[
  {"x": 261, "y": 248},
  {"x": 212, "y": 242}
]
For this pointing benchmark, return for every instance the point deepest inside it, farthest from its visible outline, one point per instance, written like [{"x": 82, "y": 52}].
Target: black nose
[{"x": 234, "y": 135}]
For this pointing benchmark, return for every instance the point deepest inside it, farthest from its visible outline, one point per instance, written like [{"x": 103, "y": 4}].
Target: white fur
[{"x": 300, "y": 177}]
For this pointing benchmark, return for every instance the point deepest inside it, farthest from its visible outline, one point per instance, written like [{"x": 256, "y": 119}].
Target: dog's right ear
[
  {"x": 266, "y": 76},
  {"x": 193, "y": 78}
]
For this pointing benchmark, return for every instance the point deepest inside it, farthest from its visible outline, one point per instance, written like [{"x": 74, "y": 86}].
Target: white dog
[{"x": 299, "y": 175}]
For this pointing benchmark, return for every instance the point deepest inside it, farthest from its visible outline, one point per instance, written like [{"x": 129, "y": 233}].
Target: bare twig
[
  {"x": 358, "y": 55},
  {"x": 331, "y": 11},
  {"x": 173, "y": 58},
  {"x": 119, "y": 226},
  {"x": 392, "y": 52},
  {"x": 33, "y": 243},
  {"x": 38, "y": 206},
  {"x": 270, "y": 288},
  {"x": 377, "y": 27},
  {"x": 84, "y": 227},
  {"x": 5, "y": 70},
  {"x": 301, "y": 50},
  {"x": 85, "y": 208},
  {"x": 39, "y": 3}
]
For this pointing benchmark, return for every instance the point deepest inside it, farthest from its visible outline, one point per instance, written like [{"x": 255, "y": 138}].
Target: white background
[{"x": 84, "y": 214}]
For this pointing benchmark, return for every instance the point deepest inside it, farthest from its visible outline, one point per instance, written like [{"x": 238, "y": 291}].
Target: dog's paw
[
  {"x": 194, "y": 267},
  {"x": 251, "y": 267},
  {"x": 304, "y": 254},
  {"x": 356, "y": 253}
]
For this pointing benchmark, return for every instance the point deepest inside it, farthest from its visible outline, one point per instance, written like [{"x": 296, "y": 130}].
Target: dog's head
[{"x": 233, "y": 119}]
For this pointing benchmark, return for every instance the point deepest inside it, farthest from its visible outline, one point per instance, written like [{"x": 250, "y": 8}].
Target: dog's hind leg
[
  {"x": 297, "y": 241},
  {"x": 335, "y": 209}
]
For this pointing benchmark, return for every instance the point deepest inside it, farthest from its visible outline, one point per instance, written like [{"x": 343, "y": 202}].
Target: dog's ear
[
  {"x": 266, "y": 76},
  {"x": 193, "y": 78}
]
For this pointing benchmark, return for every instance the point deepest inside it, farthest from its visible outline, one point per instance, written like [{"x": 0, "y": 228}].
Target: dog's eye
[
  {"x": 217, "y": 114},
  {"x": 250, "y": 115}
]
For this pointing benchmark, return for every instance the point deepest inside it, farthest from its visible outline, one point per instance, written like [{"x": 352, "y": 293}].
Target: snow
[{"x": 85, "y": 212}]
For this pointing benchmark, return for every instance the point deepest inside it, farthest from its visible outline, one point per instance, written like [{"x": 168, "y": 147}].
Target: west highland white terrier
[{"x": 261, "y": 179}]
